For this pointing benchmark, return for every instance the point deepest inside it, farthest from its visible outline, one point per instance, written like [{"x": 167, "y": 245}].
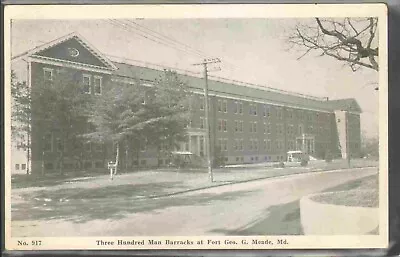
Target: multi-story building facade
[{"x": 248, "y": 123}]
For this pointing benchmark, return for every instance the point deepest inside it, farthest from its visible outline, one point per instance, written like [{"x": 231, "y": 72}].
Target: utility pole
[{"x": 207, "y": 116}]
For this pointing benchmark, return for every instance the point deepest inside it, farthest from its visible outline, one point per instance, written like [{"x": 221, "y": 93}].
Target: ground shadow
[
  {"x": 283, "y": 219},
  {"x": 113, "y": 202}
]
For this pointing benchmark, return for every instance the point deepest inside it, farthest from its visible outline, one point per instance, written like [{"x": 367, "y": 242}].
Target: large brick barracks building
[{"x": 248, "y": 123}]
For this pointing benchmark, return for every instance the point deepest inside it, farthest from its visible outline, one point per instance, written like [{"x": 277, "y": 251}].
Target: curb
[{"x": 245, "y": 181}]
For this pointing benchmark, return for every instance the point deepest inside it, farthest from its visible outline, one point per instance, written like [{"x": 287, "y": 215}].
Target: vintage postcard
[{"x": 196, "y": 127}]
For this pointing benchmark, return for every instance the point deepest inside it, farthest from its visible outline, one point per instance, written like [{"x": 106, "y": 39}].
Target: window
[
  {"x": 279, "y": 113},
  {"x": 143, "y": 99},
  {"x": 48, "y": 74},
  {"x": 48, "y": 143},
  {"x": 268, "y": 144},
  {"x": 279, "y": 129},
  {"x": 23, "y": 166},
  {"x": 290, "y": 114},
  {"x": 225, "y": 106},
  {"x": 240, "y": 126},
  {"x": 201, "y": 146},
  {"x": 267, "y": 128},
  {"x": 240, "y": 108},
  {"x": 97, "y": 85},
  {"x": 16, "y": 166},
  {"x": 253, "y": 144},
  {"x": 222, "y": 126},
  {"x": 201, "y": 103},
  {"x": 290, "y": 129},
  {"x": 300, "y": 129},
  {"x": 253, "y": 109},
  {"x": 291, "y": 145},
  {"x": 266, "y": 111},
  {"x": 202, "y": 126},
  {"x": 300, "y": 114},
  {"x": 87, "y": 83},
  {"x": 279, "y": 145},
  {"x": 88, "y": 147},
  {"x": 253, "y": 127},
  {"x": 223, "y": 144},
  {"x": 222, "y": 106}
]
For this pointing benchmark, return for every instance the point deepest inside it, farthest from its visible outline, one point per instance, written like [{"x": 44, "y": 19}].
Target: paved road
[{"x": 211, "y": 211}]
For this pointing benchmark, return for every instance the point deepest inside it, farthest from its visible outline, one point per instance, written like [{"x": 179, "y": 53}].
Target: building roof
[
  {"x": 348, "y": 104},
  {"x": 217, "y": 86},
  {"x": 72, "y": 36},
  {"x": 236, "y": 89}
]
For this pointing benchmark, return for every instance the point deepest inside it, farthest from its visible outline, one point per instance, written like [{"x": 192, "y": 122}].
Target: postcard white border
[{"x": 209, "y": 11}]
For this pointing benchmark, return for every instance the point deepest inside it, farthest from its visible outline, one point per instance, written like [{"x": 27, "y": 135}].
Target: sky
[{"x": 251, "y": 50}]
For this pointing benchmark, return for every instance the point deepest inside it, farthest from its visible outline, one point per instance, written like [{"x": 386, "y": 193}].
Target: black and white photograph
[{"x": 183, "y": 129}]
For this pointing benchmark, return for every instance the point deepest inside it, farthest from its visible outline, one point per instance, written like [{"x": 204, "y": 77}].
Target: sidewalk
[{"x": 163, "y": 182}]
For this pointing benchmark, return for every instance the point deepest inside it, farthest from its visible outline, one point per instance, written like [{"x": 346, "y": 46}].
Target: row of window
[
  {"x": 222, "y": 106},
  {"x": 49, "y": 145},
  {"x": 89, "y": 81},
  {"x": 22, "y": 166},
  {"x": 223, "y": 127},
  {"x": 238, "y": 144}
]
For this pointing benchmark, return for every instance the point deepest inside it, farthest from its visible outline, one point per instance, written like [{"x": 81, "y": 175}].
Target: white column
[
  {"x": 198, "y": 145},
  {"x": 190, "y": 143}
]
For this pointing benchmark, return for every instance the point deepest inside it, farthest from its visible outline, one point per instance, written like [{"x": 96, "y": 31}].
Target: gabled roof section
[
  {"x": 73, "y": 48},
  {"x": 349, "y": 104}
]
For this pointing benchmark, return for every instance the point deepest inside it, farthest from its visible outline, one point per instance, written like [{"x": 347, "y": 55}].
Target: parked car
[{"x": 297, "y": 158}]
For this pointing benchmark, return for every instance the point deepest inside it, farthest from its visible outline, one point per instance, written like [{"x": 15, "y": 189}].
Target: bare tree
[{"x": 350, "y": 40}]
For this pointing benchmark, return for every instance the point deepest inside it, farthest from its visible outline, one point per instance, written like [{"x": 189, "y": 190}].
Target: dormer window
[
  {"x": 97, "y": 85},
  {"x": 87, "y": 84},
  {"x": 48, "y": 74}
]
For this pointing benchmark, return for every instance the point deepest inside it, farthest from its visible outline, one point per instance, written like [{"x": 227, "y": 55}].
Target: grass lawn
[
  {"x": 350, "y": 198},
  {"x": 362, "y": 192}
]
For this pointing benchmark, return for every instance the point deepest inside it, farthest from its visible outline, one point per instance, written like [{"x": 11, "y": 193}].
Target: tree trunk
[
  {"x": 61, "y": 162},
  {"x": 28, "y": 154},
  {"x": 42, "y": 163},
  {"x": 126, "y": 155},
  {"x": 116, "y": 159}
]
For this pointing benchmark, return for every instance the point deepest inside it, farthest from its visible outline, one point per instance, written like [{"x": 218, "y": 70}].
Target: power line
[
  {"x": 158, "y": 36},
  {"x": 152, "y": 65},
  {"x": 170, "y": 39},
  {"x": 132, "y": 29}
]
